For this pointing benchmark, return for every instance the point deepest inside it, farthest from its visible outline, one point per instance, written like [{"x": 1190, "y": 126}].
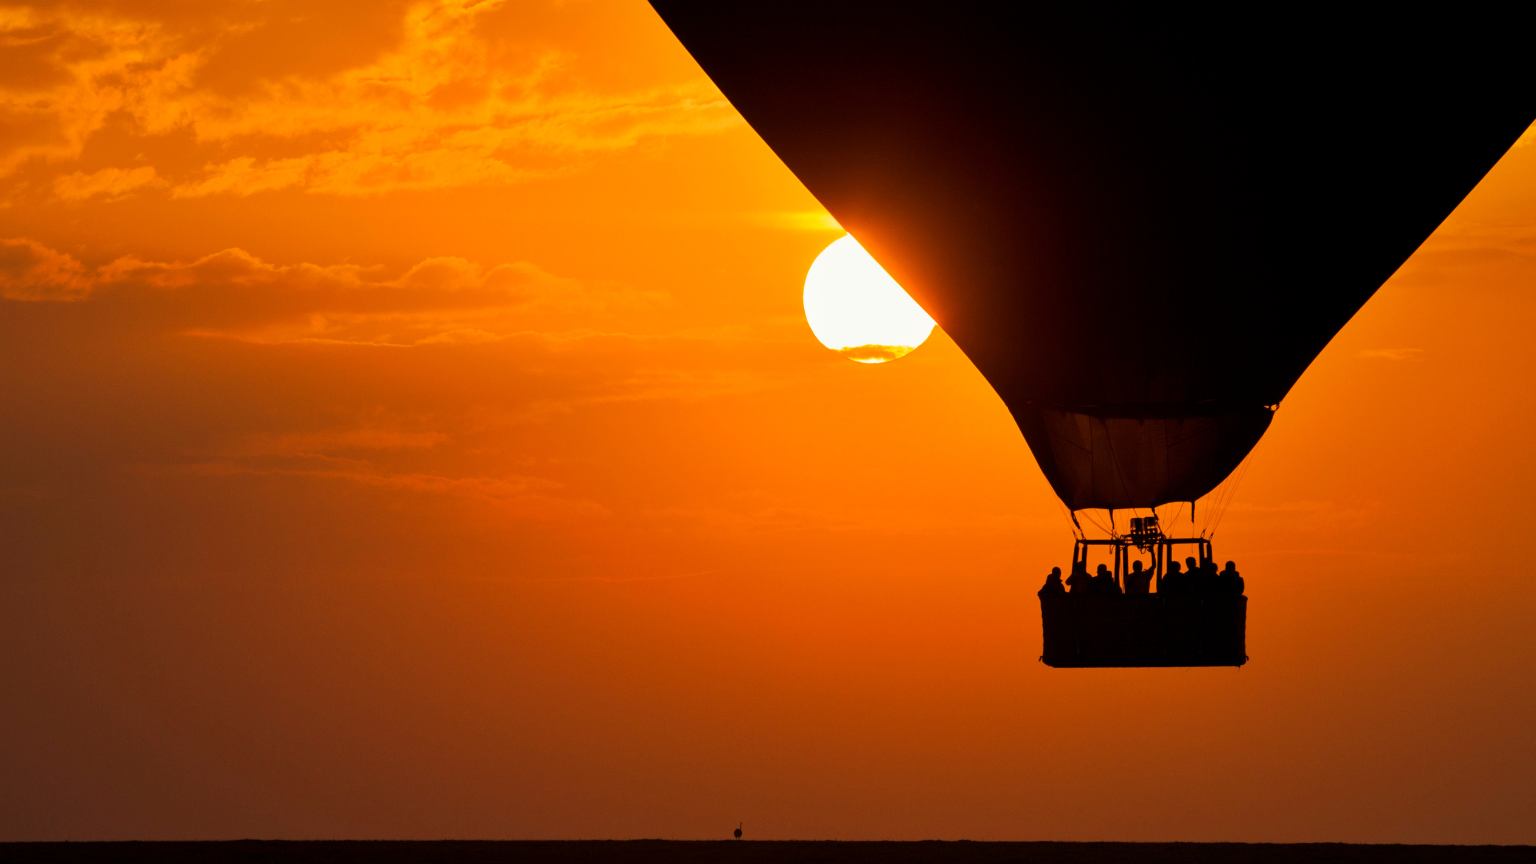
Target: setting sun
[{"x": 855, "y": 308}]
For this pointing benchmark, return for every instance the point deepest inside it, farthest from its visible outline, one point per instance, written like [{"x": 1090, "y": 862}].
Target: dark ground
[{"x": 639, "y": 851}]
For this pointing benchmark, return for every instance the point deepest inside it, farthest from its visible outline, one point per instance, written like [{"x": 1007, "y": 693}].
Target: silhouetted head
[
  {"x": 1189, "y": 564},
  {"x": 1229, "y": 568},
  {"x": 1103, "y": 571},
  {"x": 1136, "y": 565},
  {"x": 1056, "y": 572},
  {"x": 1173, "y": 566}
]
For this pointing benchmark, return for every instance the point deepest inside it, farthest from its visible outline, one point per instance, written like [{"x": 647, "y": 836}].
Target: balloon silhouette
[{"x": 1140, "y": 225}]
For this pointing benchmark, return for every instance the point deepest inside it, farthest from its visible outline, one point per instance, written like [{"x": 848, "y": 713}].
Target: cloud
[
  {"x": 648, "y": 385},
  {"x": 1391, "y": 353},
  {"x": 82, "y": 65},
  {"x": 1478, "y": 241},
  {"x": 109, "y": 183},
  {"x": 335, "y": 443},
  {"x": 518, "y": 496},
  {"x": 417, "y": 454},
  {"x": 875, "y": 353},
  {"x": 387, "y": 453},
  {"x": 32, "y": 272},
  {"x": 390, "y": 97},
  {"x": 234, "y": 294}
]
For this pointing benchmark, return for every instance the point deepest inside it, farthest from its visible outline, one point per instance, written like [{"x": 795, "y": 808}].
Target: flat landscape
[{"x": 485, "y": 852}]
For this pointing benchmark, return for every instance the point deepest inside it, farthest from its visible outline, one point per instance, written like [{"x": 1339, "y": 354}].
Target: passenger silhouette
[
  {"x": 1104, "y": 581},
  {"x": 1173, "y": 583},
  {"x": 1079, "y": 581},
  {"x": 1195, "y": 576},
  {"x": 1231, "y": 580},
  {"x": 1138, "y": 581},
  {"x": 1053, "y": 583}
]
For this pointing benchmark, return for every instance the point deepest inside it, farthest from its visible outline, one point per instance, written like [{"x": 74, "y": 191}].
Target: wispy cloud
[
  {"x": 522, "y": 497},
  {"x": 390, "y": 453},
  {"x": 875, "y": 353},
  {"x": 234, "y": 294},
  {"x": 32, "y": 272},
  {"x": 108, "y": 183},
  {"x": 1398, "y": 354},
  {"x": 330, "y": 443}
]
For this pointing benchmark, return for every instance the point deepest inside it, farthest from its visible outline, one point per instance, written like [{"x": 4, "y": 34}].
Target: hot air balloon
[{"x": 1141, "y": 225}]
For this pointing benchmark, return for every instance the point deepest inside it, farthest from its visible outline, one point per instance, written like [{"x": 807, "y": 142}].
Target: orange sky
[{"x": 409, "y": 428}]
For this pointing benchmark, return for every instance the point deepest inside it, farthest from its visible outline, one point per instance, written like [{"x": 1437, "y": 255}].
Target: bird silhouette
[{"x": 737, "y": 832}]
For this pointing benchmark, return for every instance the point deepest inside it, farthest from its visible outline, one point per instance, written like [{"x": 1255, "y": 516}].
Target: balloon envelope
[{"x": 1140, "y": 226}]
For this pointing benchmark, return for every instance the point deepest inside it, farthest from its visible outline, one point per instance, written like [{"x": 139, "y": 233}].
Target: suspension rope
[
  {"x": 1237, "y": 480},
  {"x": 1176, "y": 514},
  {"x": 1077, "y": 527},
  {"x": 1095, "y": 522}
]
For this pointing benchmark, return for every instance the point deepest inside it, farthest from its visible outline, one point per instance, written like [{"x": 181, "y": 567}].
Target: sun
[{"x": 856, "y": 309}]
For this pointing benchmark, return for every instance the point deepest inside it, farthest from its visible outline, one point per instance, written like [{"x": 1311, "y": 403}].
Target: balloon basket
[{"x": 1146, "y": 630}]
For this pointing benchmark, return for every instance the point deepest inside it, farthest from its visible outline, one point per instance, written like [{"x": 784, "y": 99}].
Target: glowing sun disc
[{"x": 856, "y": 309}]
